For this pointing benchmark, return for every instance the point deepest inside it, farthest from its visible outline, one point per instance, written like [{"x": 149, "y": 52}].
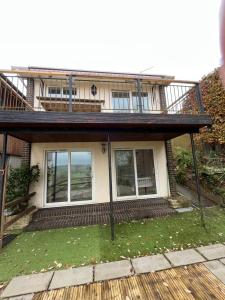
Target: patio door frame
[
  {"x": 68, "y": 202},
  {"x": 136, "y": 196}
]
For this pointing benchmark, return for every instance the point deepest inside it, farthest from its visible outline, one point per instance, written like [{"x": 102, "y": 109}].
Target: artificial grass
[{"x": 62, "y": 248}]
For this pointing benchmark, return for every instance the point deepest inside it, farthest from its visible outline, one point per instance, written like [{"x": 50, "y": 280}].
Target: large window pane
[
  {"x": 144, "y": 102},
  {"x": 125, "y": 176},
  {"x": 121, "y": 101},
  {"x": 81, "y": 176},
  {"x": 145, "y": 172},
  {"x": 57, "y": 176}
]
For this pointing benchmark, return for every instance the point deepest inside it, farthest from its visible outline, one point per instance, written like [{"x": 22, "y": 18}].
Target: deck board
[{"x": 183, "y": 283}]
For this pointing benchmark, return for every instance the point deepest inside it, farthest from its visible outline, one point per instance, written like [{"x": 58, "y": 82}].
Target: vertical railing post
[
  {"x": 70, "y": 93},
  {"x": 197, "y": 180},
  {"x": 2, "y": 183},
  {"x": 162, "y": 99},
  {"x": 110, "y": 189},
  {"x": 199, "y": 98},
  {"x": 139, "y": 96}
]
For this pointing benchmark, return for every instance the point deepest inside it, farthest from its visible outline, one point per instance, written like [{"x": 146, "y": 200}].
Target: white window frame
[
  {"x": 61, "y": 94},
  {"x": 56, "y": 95},
  {"x": 134, "y": 197},
  {"x": 111, "y": 101},
  {"x": 131, "y": 109},
  {"x": 68, "y": 202}
]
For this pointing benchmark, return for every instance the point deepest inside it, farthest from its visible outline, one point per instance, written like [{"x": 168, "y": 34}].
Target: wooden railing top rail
[
  {"x": 27, "y": 211},
  {"x": 19, "y": 200}
]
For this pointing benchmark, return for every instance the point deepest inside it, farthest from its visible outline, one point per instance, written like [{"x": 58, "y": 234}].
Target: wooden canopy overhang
[{"x": 38, "y": 127}]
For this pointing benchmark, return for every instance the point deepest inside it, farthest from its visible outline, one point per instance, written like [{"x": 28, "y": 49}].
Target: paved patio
[
  {"x": 212, "y": 257},
  {"x": 82, "y": 215}
]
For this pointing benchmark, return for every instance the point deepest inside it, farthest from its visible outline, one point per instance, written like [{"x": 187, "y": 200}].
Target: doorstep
[{"x": 23, "y": 287}]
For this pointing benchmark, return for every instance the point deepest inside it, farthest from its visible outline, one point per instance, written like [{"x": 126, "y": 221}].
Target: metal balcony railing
[{"x": 70, "y": 94}]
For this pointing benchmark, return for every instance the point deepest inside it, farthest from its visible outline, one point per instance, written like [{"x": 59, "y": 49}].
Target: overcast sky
[{"x": 173, "y": 37}]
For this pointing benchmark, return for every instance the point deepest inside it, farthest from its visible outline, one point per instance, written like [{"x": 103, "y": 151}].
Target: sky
[{"x": 172, "y": 37}]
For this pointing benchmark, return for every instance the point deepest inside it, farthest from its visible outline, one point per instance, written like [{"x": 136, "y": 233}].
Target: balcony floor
[{"x": 66, "y": 127}]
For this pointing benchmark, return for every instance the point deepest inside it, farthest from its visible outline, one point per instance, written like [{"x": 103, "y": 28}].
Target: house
[{"x": 101, "y": 137}]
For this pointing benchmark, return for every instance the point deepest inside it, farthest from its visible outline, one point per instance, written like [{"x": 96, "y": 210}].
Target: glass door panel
[
  {"x": 125, "y": 175},
  {"x": 145, "y": 172},
  {"x": 81, "y": 176},
  {"x": 57, "y": 176},
  {"x": 144, "y": 102}
]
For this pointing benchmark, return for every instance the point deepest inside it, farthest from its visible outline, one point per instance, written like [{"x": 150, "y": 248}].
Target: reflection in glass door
[
  {"x": 81, "y": 176},
  {"x": 135, "y": 172},
  {"x": 125, "y": 176},
  {"x": 57, "y": 176},
  {"x": 145, "y": 172}
]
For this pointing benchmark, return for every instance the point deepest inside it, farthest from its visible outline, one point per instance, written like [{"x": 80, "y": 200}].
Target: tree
[{"x": 213, "y": 97}]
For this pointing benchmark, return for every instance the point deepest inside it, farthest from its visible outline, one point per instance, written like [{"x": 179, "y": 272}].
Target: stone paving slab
[
  {"x": 184, "y": 257},
  {"x": 217, "y": 268},
  {"x": 27, "y": 284},
  {"x": 71, "y": 277},
  {"x": 113, "y": 270},
  {"x": 150, "y": 264},
  {"x": 24, "y": 297},
  {"x": 222, "y": 260},
  {"x": 212, "y": 251}
]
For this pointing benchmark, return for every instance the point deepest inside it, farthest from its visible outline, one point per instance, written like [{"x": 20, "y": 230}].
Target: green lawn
[{"x": 61, "y": 248}]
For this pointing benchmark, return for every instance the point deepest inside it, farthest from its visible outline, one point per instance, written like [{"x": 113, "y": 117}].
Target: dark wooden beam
[
  {"x": 88, "y": 135},
  {"x": 24, "y": 119}
]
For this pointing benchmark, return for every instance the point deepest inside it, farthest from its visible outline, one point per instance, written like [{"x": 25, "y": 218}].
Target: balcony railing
[{"x": 79, "y": 95}]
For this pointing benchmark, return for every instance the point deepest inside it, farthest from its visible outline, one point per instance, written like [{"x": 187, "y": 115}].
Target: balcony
[
  {"x": 79, "y": 95},
  {"x": 159, "y": 110}
]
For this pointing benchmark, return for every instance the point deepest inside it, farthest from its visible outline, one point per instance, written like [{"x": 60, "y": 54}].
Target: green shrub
[
  {"x": 183, "y": 159},
  {"x": 19, "y": 180}
]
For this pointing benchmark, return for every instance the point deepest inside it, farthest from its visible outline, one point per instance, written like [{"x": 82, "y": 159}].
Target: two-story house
[{"x": 102, "y": 137}]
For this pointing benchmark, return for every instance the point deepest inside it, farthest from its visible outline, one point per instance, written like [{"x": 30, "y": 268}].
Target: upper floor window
[
  {"x": 121, "y": 101},
  {"x": 136, "y": 102},
  {"x": 54, "y": 91},
  {"x": 61, "y": 92},
  {"x": 66, "y": 91}
]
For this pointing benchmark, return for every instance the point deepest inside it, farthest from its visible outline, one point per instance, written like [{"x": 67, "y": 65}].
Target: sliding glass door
[
  {"x": 145, "y": 173},
  {"x": 135, "y": 172},
  {"x": 69, "y": 177},
  {"x": 57, "y": 176},
  {"x": 125, "y": 175},
  {"x": 81, "y": 176}
]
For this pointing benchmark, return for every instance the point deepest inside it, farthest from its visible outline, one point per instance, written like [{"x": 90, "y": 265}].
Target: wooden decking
[{"x": 192, "y": 282}]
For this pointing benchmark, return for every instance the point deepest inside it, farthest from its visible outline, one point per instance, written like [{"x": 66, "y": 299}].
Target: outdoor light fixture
[
  {"x": 93, "y": 90},
  {"x": 103, "y": 147}
]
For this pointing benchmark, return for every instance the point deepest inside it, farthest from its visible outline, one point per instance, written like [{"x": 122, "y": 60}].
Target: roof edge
[{"x": 92, "y": 72}]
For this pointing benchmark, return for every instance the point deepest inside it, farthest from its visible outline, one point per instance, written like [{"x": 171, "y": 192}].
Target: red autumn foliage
[{"x": 213, "y": 96}]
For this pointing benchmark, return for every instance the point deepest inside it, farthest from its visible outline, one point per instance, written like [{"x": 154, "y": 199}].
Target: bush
[
  {"x": 211, "y": 169},
  {"x": 19, "y": 180},
  {"x": 183, "y": 159}
]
